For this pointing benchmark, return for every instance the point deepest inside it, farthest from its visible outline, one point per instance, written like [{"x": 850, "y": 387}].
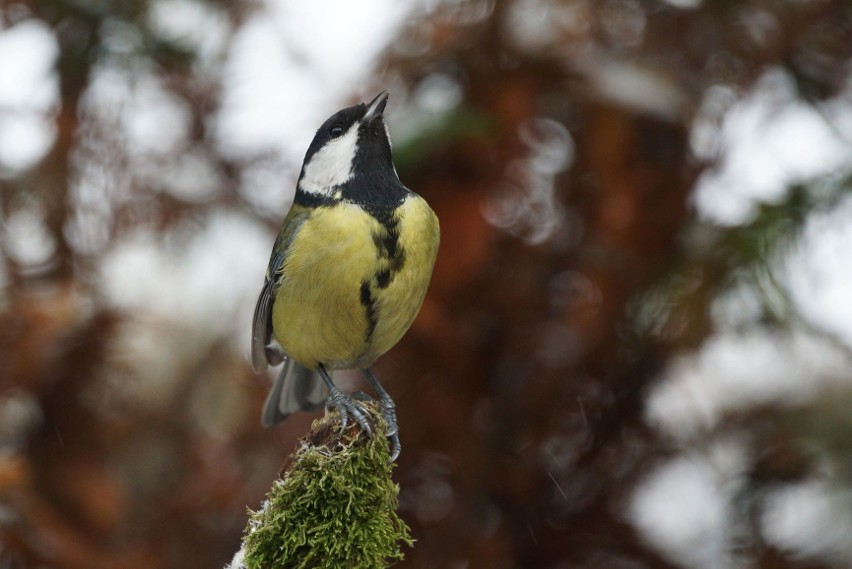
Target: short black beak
[{"x": 376, "y": 107}]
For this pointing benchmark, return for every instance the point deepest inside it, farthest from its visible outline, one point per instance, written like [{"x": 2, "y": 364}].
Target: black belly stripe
[
  {"x": 383, "y": 278},
  {"x": 369, "y": 304},
  {"x": 388, "y": 248}
]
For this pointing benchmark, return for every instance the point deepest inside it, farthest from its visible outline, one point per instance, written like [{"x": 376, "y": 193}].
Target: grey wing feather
[
  {"x": 295, "y": 389},
  {"x": 263, "y": 354}
]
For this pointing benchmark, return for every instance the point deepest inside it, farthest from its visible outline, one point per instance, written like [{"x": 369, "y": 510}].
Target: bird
[{"x": 347, "y": 274}]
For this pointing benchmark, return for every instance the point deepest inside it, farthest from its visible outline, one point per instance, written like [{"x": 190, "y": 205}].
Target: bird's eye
[{"x": 335, "y": 131}]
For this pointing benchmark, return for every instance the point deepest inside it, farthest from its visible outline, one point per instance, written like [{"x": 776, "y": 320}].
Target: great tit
[{"x": 348, "y": 271}]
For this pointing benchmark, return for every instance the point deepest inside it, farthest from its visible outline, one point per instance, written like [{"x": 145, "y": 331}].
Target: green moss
[{"x": 334, "y": 506}]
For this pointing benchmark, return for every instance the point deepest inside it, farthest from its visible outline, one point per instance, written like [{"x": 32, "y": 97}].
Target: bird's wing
[{"x": 262, "y": 354}]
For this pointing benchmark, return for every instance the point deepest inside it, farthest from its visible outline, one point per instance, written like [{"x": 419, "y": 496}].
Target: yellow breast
[{"x": 343, "y": 300}]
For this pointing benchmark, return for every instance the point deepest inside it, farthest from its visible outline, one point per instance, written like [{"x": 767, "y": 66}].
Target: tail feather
[{"x": 295, "y": 389}]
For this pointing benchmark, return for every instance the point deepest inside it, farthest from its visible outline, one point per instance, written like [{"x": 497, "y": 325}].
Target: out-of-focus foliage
[{"x": 602, "y": 375}]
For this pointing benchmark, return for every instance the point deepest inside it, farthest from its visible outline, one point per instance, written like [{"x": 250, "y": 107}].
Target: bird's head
[{"x": 352, "y": 144}]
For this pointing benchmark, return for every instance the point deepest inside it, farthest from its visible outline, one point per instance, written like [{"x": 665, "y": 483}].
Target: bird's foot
[
  {"x": 388, "y": 408},
  {"x": 389, "y": 413},
  {"x": 347, "y": 407}
]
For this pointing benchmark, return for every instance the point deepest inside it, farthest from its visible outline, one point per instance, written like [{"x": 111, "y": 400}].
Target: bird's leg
[
  {"x": 344, "y": 405},
  {"x": 388, "y": 411}
]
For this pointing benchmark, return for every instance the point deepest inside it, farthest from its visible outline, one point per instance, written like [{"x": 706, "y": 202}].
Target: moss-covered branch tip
[{"x": 334, "y": 505}]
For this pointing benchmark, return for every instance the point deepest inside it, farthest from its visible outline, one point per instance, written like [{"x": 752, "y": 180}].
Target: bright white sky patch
[
  {"x": 683, "y": 507},
  {"x": 769, "y": 140},
  {"x": 633, "y": 86},
  {"x": 735, "y": 371},
  {"x": 337, "y": 39},
  {"x": 267, "y": 99},
  {"x": 28, "y": 92},
  {"x": 209, "y": 282},
  {"x": 820, "y": 272},
  {"x": 25, "y": 138},
  {"x": 28, "y": 82},
  {"x": 291, "y": 66},
  {"x": 190, "y": 24},
  {"x": 26, "y": 237},
  {"x": 155, "y": 120},
  {"x": 152, "y": 118},
  {"x": 811, "y": 520}
]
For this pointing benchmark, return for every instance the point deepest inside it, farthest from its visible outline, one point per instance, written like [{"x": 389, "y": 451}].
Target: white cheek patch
[{"x": 331, "y": 165}]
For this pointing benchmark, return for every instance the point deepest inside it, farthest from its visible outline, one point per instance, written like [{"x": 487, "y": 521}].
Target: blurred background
[{"x": 635, "y": 352}]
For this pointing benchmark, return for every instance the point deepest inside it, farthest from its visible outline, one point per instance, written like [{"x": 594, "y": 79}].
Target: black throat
[{"x": 377, "y": 195}]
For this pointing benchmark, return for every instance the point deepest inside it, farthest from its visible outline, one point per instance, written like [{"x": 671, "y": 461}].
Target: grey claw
[
  {"x": 388, "y": 412},
  {"x": 338, "y": 402},
  {"x": 396, "y": 447},
  {"x": 360, "y": 417}
]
